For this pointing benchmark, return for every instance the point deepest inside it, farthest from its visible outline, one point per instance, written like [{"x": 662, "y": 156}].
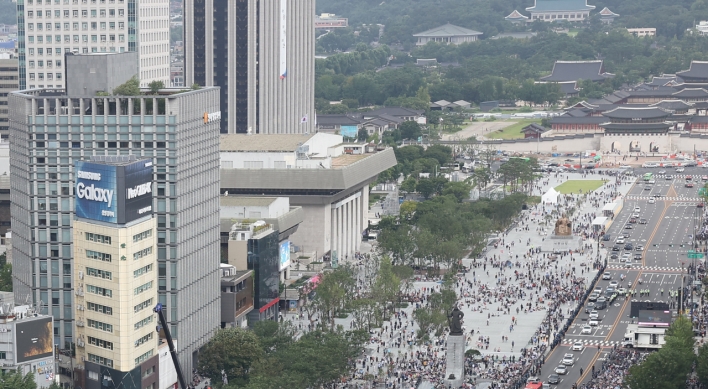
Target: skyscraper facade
[
  {"x": 49, "y": 131},
  {"x": 47, "y": 29},
  {"x": 262, "y": 55}
]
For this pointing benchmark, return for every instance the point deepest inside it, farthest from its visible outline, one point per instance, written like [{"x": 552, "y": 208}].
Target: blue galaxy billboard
[
  {"x": 284, "y": 254},
  {"x": 113, "y": 193}
]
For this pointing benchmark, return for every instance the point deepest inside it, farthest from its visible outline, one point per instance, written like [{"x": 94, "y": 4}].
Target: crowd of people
[{"x": 614, "y": 368}]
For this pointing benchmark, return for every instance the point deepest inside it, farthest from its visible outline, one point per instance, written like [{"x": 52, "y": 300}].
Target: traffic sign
[{"x": 694, "y": 255}]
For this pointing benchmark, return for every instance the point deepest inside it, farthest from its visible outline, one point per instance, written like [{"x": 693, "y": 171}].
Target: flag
[{"x": 303, "y": 120}]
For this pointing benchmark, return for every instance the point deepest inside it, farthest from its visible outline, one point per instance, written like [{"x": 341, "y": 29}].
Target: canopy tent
[{"x": 550, "y": 197}]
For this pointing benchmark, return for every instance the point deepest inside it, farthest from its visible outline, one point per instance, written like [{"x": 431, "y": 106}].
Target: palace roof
[
  {"x": 560, "y": 5},
  {"x": 606, "y": 13},
  {"x": 577, "y": 70},
  {"x": 697, "y": 70},
  {"x": 516, "y": 15},
  {"x": 643, "y": 113}
]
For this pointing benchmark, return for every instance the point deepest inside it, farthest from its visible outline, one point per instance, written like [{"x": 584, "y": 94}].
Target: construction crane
[{"x": 170, "y": 344}]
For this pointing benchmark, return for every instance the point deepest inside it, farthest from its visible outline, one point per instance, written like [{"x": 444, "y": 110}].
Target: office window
[
  {"x": 101, "y": 343},
  {"x": 84, "y": 26},
  {"x": 100, "y": 360},
  {"x": 99, "y": 291},
  {"x": 100, "y": 326},
  {"x": 93, "y": 13},
  {"x": 75, "y": 25},
  {"x": 103, "y": 13},
  {"x": 98, "y": 273},
  {"x": 99, "y": 308}
]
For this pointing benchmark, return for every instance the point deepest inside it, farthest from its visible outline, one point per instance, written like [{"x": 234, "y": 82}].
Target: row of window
[
  {"x": 143, "y": 323},
  {"x": 99, "y": 291},
  {"x": 143, "y": 270},
  {"x": 142, "y": 288},
  {"x": 145, "y": 304},
  {"x": 58, "y": 2},
  {"x": 69, "y": 26},
  {"x": 85, "y": 50},
  {"x": 100, "y": 325},
  {"x": 100, "y": 343},
  {"x": 106, "y": 275},
  {"x": 58, "y": 13},
  {"x": 40, "y": 64},
  {"x": 142, "y": 235},
  {"x": 142, "y": 253},
  {"x": 98, "y": 238},
  {"x": 100, "y": 145},
  {"x": 84, "y": 38},
  {"x": 40, "y": 76},
  {"x": 99, "y": 308},
  {"x": 100, "y": 360},
  {"x": 144, "y": 339},
  {"x": 143, "y": 357},
  {"x": 90, "y": 254}
]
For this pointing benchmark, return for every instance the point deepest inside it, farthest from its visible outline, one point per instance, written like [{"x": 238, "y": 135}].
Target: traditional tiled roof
[
  {"x": 337, "y": 120},
  {"x": 577, "y": 70},
  {"x": 692, "y": 92},
  {"x": 660, "y": 92},
  {"x": 446, "y": 31},
  {"x": 560, "y": 5},
  {"x": 700, "y": 105},
  {"x": 514, "y": 16},
  {"x": 638, "y": 127},
  {"x": 697, "y": 70},
  {"x": 607, "y": 13},
  {"x": 534, "y": 128},
  {"x": 578, "y": 120},
  {"x": 699, "y": 119},
  {"x": 568, "y": 88},
  {"x": 642, "y": 113},
  {"x": 577, "y": 113},
  {"x": 661, "y": 81},
  {"x": 673, "y": 105},
  {"x": 393, "y": 111}
]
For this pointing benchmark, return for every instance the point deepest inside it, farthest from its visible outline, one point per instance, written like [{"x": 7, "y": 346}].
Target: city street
[{"x": 664, "y": 237}]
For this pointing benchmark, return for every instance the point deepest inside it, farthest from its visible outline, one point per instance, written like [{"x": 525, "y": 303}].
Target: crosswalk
[
  {"x": 591, "y": 342},
  {"x": 667, "y": 198},
  {"x": 696, "y": 177},
  {"x": 648, "y": 268}
]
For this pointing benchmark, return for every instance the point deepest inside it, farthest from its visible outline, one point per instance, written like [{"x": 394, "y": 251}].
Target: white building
[{"x": 92, "y": 26}]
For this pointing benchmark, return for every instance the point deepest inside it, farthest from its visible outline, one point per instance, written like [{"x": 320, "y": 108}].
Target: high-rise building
[
  {"x": 262, "y": 55},
  {"x": 48, "y": 29},
  {"x": 179, "y": 132},
  {"x": 8, "y": 83},
  {"x": 115, "y": 272}
]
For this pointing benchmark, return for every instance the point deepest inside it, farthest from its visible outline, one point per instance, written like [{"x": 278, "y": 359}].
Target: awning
[
  {"x": 609, "y": 207},
  {"x": 599, "y": 221}
]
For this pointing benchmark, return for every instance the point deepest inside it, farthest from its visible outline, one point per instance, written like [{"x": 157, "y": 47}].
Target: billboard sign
[
  {"x": 34, "y": 339},
  {"x": 113, "y": 193},
  {"x": 284, "y": 254}
]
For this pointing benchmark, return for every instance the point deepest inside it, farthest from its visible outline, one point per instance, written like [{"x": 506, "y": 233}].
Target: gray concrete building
[
  {"x": 262, "y": 55},
  {"x": 105, "y": 70},
  {"x": 50, "y": 129},
  {"x": 9, "y": 82}
]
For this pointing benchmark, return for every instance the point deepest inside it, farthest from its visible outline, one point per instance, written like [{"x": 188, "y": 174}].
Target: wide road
[{"x": 663, "y": 231}]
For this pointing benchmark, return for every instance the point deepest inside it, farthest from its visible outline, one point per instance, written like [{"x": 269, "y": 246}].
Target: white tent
[{"x": 550, "y": 197}]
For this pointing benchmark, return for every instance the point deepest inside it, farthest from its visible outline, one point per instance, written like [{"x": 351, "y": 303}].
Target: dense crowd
[{"x": 611, "y": 373}]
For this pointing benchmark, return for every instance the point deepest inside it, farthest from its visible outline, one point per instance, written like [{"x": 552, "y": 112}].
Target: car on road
[
  {"x": 568, "y": 359},
  {"x": 601, "y": 303},
  {"x": 643, "y": 221},
  {"x": 607, "y": 237},
  {"x": 633, "y": 220},
  {"x": 561, "y": 369},
  {"x": 589, "y": 307},
  {"x": 689, "y": 178},
  {"x": 629, "y": 247},
  {"x": 616, "y": 248},
  {"x": 594, "y": 315},
  {"x": 652, "y": 201},
  {"x": 620, "y": 240},
  {"x": 628, "y": 265},
  {"x": 614, "y": 256},
  {"x": 658, "y": 195},
  {"x": 662, "y": 172},
  {"x": 609, "y": 290},
  {"x": 614, "y": 284},
  {"x": 606, "y": 276},
  {"x": 700, "y": 205},
  {"x": 637, "y": 210},
  {"x": 689, "y": 185},
  {"x": 554, "y": 379},
  {"x": 587, "y": 330},
  {"x": 593, "y": 322},
  {"x": 669, "y": 177},
  {"x": 647, "y": 187},
  {"x": 628, "y": 227},
  {"x": 639, "y": 247},
  {"x": 680, "y": 170},
  {"x": 621, "y": 291},
  {"x": 625, "y": 257},
  {"x": 578, "y": 346},
  {"x": 652, "y": 181},
  {"x": 625, "y": 234},
  {"x": 637, "y": 256},
  {"x": 635, "y": 215},
  {"x": 593, "y": 296},
  {"x": 597, "y": 290},
  {"x": 704, "y": 178}
]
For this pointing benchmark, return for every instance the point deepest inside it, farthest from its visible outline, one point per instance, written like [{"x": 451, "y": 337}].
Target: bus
[{"x": 648, "y": 176}]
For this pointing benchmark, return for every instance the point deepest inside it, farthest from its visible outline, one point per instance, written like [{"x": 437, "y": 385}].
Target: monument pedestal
[{"x": 455, "y": 361}]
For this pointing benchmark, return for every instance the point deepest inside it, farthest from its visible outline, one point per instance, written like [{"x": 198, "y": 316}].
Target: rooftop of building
[
  {"x": 516, "y": 15},
  {"x": 447, "y": 30},
  {"x": 144, "y": 93},
  {"x": 697, "y": 69},
  {"x": 607, "y": 13},
  {"x": 345, "y": 160},
  {"x": 235, "y": 201},
  {"x": 636, "y": 113},
  {"x": 577, "y": 70},
  {"x": 560, "y": 5},
  {"x": 262, "y": 142}
]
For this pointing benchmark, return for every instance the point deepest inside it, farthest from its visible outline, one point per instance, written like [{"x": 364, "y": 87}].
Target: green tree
[
  {"x": 461, "y": 190},
  {"x": 425, "y": 187},
  {"x": 128, "y": 88},
  {"x": 155, "y": 86},
  {"x": 702, "y": 364},
  {"x": 334, "y": 291},
  {"x": 272, "y": 335},
  {"x": 362, "y": 135},
  {"x": 5, "y": 277},
  {"x": 387, "y": 286},
  {"x": 408, "y": 185},
  {"x": 432, "y": 318},
  {"x": 410, "y": 130},
  {"x": 12, "y": 379},
  {"x": 234, "y": 350}
]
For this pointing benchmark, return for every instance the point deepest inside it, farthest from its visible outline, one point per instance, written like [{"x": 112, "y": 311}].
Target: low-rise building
[
  {"x": 236, "y": 296},
  {"x": 607, "y": 16},
  {"x": 641, "y": 32},
  {"x": 564, "y": 71},
  {"x": 329, "y": 21},
  {"x": 448, "y": 34},
  {"x": 553, "y": 10}
]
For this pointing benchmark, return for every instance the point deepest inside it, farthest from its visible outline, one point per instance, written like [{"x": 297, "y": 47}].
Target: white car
[
  {"x": 637, "y": 210},
  {"x": 578, "y": 346},
  {"x": 561, "y": 370},
  {"x": 568, "y": 359},
  {"x": 594, "y": 315},
  {"x": 619, "y": 241},
  {"x": 587, "y": 330},
  {"x": 614, "y": 284},
  {"x": 652, "y": 201},
  {"x": 593, "y": 322},
  {"x": 635, "y": 215},
  {"x": 651, "y": 182},
  {"x": 679, "y": 170}
]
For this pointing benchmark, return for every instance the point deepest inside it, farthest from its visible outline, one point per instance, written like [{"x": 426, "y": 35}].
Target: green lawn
[
  {"x": 512, "y": 131},
  {"x": 573, "y": 32},
  {"x": 573, "y": 186}
]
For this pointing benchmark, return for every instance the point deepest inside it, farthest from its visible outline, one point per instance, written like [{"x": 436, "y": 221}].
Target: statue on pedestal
[
  {"x": 564, "y": 227},
  {"x": 455, "y": 321}
]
